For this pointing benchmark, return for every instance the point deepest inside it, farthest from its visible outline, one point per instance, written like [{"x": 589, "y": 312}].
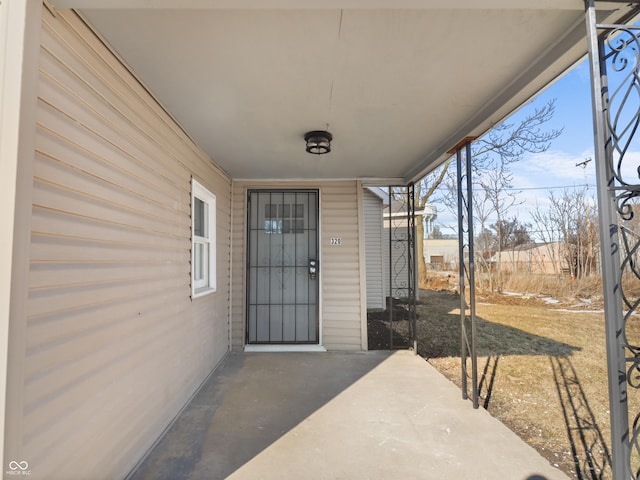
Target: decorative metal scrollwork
[
  {"x": 621, "y": 48},
  {"x": 622, "y": 52},
  {"x": 399, "y": 248},
  {"x": 467, "y": 274},
  {"x": 615, "y": 70},
  {"x": 400, "y": 222}
]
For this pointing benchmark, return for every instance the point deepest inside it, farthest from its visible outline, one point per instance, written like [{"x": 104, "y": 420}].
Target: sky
[{"x": 536, "y": 174}]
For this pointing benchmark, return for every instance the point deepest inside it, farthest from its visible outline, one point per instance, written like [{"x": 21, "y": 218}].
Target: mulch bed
[{"x": 380, "y": 335}]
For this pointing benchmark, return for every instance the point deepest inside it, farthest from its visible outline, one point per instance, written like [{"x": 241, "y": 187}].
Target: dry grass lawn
[{"x": 542, "y": 371}]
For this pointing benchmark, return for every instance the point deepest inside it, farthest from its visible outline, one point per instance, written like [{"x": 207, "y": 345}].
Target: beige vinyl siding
[
  {"x": 114, "y": 344},
  {"x": 373, "y": 246},
  {"x": 340, "y": 311},
  {"x": 238, "y": 266},
  {"x": 341, "y": 322}
]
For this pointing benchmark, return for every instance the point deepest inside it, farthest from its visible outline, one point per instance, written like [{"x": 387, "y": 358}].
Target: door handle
[{"x": 313, "y": 269}]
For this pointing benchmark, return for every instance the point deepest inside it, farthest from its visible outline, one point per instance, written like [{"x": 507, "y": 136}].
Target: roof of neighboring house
[{"x": 379, "y": 192}]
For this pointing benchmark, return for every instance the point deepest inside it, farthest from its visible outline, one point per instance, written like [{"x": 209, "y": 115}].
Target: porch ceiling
[{"x": 398, "y": 82}]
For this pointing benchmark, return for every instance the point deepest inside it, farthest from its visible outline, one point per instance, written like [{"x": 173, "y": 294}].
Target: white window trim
[{"x": 208, "y": 285}]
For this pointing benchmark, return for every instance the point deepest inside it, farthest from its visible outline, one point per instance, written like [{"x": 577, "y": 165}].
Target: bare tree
[
  {"x": 508, "y": 142},
  {"x": 435, "y": 233},
  {"x": 514, "y": 232},
  {"x": 630, "y": 239},
  {"x": 485, "y": 241},
  {"x": 572, "y": 220},
  {"x": 497, "y": 152},
  {"x": 492, "y": 155},
  {"x": 547, "y": 232},
  {"x": 424, "y": 190},
  {"x": 496, "y": 184}
]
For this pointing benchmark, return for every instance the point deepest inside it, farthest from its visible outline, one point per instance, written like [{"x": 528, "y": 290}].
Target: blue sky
[
  {"x": 536, "y": 174},
  {"x": 559, "y": 166}
]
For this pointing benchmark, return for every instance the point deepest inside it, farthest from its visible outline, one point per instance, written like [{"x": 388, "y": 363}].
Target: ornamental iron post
[
  {"x": 467, "y": 274},
  {"x": 412, "y": 273},
  {"x": 401, "y": 262},
  {"x": 614, "y": 57}
]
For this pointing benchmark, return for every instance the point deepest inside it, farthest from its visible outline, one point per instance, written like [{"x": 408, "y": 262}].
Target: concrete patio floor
[{"x": 373, "y": 415}]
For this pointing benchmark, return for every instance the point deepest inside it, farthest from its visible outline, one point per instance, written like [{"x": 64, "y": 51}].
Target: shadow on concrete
[
  {"x": 245, "y": 406},
  {"x": 439, "y": 336},
  {"x": 588, "y": 447}
]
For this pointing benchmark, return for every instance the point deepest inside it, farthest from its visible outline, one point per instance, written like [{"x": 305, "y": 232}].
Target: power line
[{"x": 552, "y": 188}]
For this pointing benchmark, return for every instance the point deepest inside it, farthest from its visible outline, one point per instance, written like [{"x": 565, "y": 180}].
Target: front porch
[
  {"x": 375, "y": 415},
  {"x": 123, "y": 122}
]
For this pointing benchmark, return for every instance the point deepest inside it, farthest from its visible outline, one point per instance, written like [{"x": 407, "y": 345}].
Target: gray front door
[{"x": 282, "y": 296}]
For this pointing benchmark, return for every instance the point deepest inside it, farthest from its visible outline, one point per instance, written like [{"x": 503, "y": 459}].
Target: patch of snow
[
  {"x": 549, "y": 300},
  {"x": 576, "y": 311}
]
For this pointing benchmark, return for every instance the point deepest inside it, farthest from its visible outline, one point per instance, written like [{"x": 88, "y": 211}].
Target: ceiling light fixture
[{"x": 318, "y": 142}]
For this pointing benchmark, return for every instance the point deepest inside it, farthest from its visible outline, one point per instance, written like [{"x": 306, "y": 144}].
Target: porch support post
[
  {"x": 467, "y": 274},
  {"x": 412, "y": 281},
  {"x": 390, "y": 297},
  {"x": 618, "y": 192},
  {"x": 402, "y": 257}
]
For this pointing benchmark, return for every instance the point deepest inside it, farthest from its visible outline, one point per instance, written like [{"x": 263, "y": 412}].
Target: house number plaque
[{"x": 336, "y": 241}]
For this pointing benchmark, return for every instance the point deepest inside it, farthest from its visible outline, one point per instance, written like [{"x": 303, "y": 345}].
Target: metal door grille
[{"x": 282, "y": 295}]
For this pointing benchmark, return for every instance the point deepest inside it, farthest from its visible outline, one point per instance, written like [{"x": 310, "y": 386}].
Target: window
[
  {"x": 283, "y": 218},
  {"x": 203, "y": 240}
]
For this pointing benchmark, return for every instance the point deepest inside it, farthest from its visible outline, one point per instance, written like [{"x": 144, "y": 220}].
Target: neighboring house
[
  {"x": 385, "y": 233},
  {"x": 374, "y": 200},
  {"x": 160, "y": 210},
  {"x": 441, "y": 253},
  {"x": 398, "y": 253},
  {"x": 546, "y": 259},
  {"x": 549, "y": 258}
]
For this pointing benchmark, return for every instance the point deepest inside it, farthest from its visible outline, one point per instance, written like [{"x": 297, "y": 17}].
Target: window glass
[
  {"x": 198, "y": 262},
  {"x": 199, "y": 222},
  {"x": 203, "y": 240},
  {"x": 283, "y": 218}
]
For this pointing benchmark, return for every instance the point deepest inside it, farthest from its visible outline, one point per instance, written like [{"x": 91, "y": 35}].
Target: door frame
[{"x": 316, "y": 346}]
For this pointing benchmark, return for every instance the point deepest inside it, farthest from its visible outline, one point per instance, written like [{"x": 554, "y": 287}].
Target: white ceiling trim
[{"x": 325, "y": 4}]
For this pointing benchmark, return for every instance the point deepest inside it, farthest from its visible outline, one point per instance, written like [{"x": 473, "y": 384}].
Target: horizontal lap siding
[
  {"x": 238, "y": 264},
  {"x": 114, "y": 344},
  {"x": 373, "y": 241},
  {"x": 339, "y": 265},
  {"x": 341, "y": 289}
]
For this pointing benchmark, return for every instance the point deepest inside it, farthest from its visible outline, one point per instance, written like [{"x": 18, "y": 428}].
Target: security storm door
[{"x": 283, "y": 267}]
